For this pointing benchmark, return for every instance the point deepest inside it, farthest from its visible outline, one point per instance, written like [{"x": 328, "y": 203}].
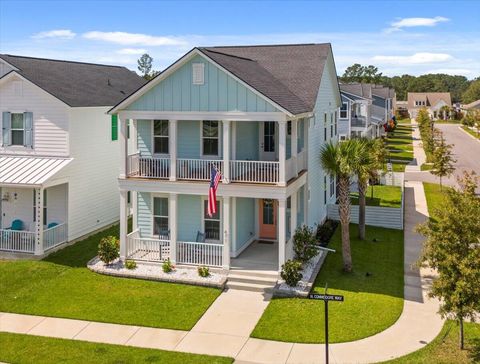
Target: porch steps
[{"x": 257, "y": 281}]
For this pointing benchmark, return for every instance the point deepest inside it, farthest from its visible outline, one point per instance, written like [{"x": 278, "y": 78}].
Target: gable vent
[{"x": 198, "y": 72}]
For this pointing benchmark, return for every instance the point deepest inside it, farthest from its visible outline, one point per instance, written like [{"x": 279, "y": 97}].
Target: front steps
[{"x": 252, "y": 280}]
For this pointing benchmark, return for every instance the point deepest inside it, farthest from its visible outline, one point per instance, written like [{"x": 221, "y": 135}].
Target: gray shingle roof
[
  {"x": 359, "y": 89},
  {"x": 289, "y": 75},
  {"x": 78, "y": 84}
]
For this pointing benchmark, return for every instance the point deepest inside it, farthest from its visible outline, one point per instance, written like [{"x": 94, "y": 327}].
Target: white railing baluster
[{"x": 17, "y": 241}]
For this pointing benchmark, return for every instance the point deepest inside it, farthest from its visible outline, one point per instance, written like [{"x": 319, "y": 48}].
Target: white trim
[
  {"x": 203, "y": 115},
  {"x": 152, "y": 133},
  {"x": 152, "y": 220},
  {"x": 220, "y": 206},
  {"x": 8, "y": 64},
  {"x": 177, "y": 64},
  {"x": 210, "y": 156}
]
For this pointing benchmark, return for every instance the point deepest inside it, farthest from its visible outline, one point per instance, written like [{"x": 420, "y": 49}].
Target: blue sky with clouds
[{"x": 399, "y": 37}]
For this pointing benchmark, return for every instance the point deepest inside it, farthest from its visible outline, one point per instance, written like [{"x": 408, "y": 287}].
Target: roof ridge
[
  {"x": 226, "y": 54},
  {"x": 267, "y": 45},
  {"x": 61, "y": 60}
]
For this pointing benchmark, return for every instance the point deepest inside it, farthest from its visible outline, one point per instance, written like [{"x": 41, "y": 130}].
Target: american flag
[{"x": 215, "y": 177}]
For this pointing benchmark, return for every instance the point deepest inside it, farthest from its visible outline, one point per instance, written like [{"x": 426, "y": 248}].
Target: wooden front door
[{"x": 268, "y": 219}]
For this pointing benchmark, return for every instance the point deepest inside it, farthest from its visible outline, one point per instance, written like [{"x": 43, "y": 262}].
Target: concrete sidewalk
[
  {"x": 419, "y": 156},
  {"x": 225, "y": 328}
]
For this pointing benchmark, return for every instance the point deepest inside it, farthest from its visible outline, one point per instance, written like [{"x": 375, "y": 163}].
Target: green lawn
[
  {"x": 444, "y": 349},
  {"x": 426, "y": 167},
  {"x": 372, "y": 303},
  {"x": 17, "y": 348},
  {"x": 471, "y": 132},
  {"x": 434, "y": 196},
  {"x": 399, "y": 146},
  {"x": 62, "y": 286},
  {"x": 385, "y": 196}
]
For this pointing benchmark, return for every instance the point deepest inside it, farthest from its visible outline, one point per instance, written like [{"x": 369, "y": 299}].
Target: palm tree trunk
[
  {"x": 344, "y": 212},
  {"x": 362, "y": 188}
]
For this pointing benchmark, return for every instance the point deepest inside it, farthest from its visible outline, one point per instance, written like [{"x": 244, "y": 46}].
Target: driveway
[{"x": 466, "y": 151}]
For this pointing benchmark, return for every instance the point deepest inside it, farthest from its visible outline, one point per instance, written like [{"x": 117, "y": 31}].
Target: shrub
[
  {"x": 203, "y": 271},
  {"x": 326, "y": 231},
  {"x": 130, "y": 264},
  {"x": 167, "y": 266},
  {"x": 291, "y": 272},
  {"x": 109, "y": 249},
  {"x": 304, "y": 244}
]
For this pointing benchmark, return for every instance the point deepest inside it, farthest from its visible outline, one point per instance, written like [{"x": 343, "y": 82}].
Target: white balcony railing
[
  {"x": 301, "y": 161},
  {"x": 197, "y": 169},
  {"x": 147, "y": 167},
  {"x": 148, "y": 249},
  {"x": 55, "y": 236},
  {"x": 17, "y": 241},
  {"x": 254, "y": 171},
  {"x": 199, "y": 253}
]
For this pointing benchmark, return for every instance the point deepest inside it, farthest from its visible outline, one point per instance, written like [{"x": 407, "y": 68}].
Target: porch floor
[{"x": 260, "y": 255}]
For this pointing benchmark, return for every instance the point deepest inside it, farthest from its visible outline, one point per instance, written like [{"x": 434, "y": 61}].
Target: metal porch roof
[{"x": 29, "y": 171}]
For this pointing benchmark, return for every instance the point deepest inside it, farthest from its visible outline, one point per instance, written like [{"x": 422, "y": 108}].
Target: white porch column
[
  {"x": 226, "y": 233},
  {"x": 226, "y": 151},
  {"x": 282, "y": 224},
  {"x": 293, "y": 212},
  {"x": 282, "y": 150},
  {"x": 233, "y": 230},
  {"x": 39, "y": 221},
  {"x": 172, "y": 148},
  {"x": 123, "y": 140},
  {"x": 123, "y": 224},
  {"x": 134, "y": 135},
  {"x": 134, "y": 204},
  {"x": 172, "y": 225},
  {"x": 293, "y": 144}
]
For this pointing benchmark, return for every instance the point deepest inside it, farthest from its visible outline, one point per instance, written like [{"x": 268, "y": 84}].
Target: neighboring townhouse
[
  {"x": 355, "y": 113},
  {"x": 59, "y": 150},
  {"x": 432, "y": 101},
  {"x": 260, "y": 114},
  {"x": 384, "y": 99},
  {"x": 475, "y": 105}
]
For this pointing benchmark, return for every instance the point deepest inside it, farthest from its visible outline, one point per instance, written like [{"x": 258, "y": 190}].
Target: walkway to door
[{"x": 260, "y": 255}]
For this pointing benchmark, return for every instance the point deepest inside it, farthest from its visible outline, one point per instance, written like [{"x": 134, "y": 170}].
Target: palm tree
[
  {"x": 340, "y": 160},
  {"x": 365, "y": 167}
]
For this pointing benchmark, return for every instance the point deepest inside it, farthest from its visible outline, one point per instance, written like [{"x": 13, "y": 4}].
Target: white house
[
  {"x": 260, "y": 114},
  {"x": 433, "y": 102},
  {"x": 58, "y": 150}
]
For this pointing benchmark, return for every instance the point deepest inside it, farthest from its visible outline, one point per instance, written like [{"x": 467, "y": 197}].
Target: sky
[{"x": 399, "y": 37}]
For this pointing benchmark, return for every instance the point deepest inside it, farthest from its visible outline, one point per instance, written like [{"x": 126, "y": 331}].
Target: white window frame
[
  {"x": 205, "y": 218},
  {"x": 160, "y": 136},
  {"x": 198, "y": 73},
  {"x": 202, "y": 154},
  {"x": 12, "y": 129},
  {"x": 152, "y": 201},
  {"x": 346, "y": 111}
]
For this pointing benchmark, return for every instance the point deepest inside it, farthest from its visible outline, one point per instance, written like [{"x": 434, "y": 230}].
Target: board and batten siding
[
  {"x": 247, "y": 147},
  {"x": 245, "y": 222},
  {"x": 93, "y": 200},
  {"x": 50, "y": 118},
  {"x": 220, "y": 92},
  {"x": 328, "y": 101}
]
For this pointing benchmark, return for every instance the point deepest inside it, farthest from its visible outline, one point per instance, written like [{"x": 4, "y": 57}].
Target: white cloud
[
  {"x": 133, "y": 38},
  {"x": 415, "y": 22},
  {"x": 417, "y": 58},
  {"x": 132, "y": 51},
  {"x": 57, "y": 33}
]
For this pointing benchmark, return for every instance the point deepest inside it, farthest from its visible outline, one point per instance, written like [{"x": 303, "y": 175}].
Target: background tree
[
  {"x": 472, "y": 93},
  {"x": 452, "y": 248},
  {"x": 443, "y": 161},
  {"x": 359, "y": 73},
  {"x": 145, "y": 66},
  {"x": 425, "y": 126},
  {"x": 339, "y": 160}
]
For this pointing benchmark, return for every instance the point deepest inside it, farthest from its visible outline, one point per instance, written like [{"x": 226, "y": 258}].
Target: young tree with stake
[{"x": 443, "y": 161}]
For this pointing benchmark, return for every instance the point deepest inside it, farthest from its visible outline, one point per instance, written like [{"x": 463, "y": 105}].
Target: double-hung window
[
  {"x": 160, "y": 136},
  {"x": 44, "y": 207},
  {"x": 211, "y": 225},
  {"x": 210, "y": 137},
  {"x": 17, "y": 129},
  {"x": 160, "y": 217},
  {"x": 344, "y": 110}
]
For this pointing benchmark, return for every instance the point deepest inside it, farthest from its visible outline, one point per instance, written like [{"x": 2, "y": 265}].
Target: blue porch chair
[{"x": 17, "y": 225}]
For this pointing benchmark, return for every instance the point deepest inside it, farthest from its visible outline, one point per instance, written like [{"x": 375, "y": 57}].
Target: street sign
[{"x": 325, "y": 297}]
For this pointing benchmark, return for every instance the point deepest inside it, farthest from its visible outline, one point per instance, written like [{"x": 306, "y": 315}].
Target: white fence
[
  {"x": 148, "y": 167},
  {"x": 55, "y": 236},
  {"x": 301, "y": 161},
  {"x": 17, "y": 241},
  {"x": 148, "y": 249},
  {"x": 197, "y": 169},
  {"x": 254, "y": 171},
  {"x": 200, "y": 253}
]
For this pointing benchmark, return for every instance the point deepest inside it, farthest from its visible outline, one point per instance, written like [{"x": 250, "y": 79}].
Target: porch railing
[
  {"x": 55, "y": 236},
  {"x": 147, "y": 167},
  {"x": 17, "y": 241},
  {"x": 254, "y": 171},
  {"x": 301, "y": 161},
  {"x": 147, "y": 249},
  {"x": 197, "y": 169},
  {"x": 200, "y": 253}
]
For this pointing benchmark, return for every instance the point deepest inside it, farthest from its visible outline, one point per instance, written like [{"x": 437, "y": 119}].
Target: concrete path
[
  {"x": 225, "y": 328},
  {"x": 419, "y": 156}
]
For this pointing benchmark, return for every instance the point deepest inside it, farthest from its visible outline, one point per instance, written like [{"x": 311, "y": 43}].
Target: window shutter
[
  {"x": 28, "y": 120},
  {"x": 6, "y": 123},
  {"x": 198, "y": 73},
  {"x": 114, "y": 127}
]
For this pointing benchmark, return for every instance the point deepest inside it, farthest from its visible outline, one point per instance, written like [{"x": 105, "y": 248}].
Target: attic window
[{"x": 198, "y": 72}]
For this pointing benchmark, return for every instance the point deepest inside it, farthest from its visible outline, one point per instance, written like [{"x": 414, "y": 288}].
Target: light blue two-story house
[{"x": 259, "y": 114}]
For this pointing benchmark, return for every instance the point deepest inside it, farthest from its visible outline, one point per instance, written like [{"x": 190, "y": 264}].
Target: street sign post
[{"x": 326, "y": 298}]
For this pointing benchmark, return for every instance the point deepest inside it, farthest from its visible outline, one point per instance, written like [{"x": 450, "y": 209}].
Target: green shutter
[{"x": 114, "y": 127}]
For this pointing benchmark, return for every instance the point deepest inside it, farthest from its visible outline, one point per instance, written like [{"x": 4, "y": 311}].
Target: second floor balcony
[
  {"x": 244, "y": 152},
  {"x": 358, "y": 121}
]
